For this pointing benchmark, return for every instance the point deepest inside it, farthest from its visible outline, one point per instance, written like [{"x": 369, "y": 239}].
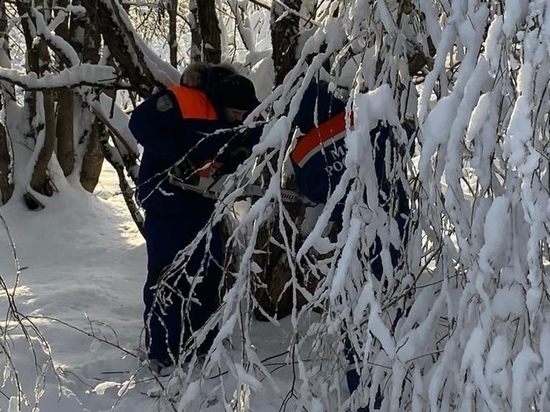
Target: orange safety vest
[{"x": 193, "y": 103}]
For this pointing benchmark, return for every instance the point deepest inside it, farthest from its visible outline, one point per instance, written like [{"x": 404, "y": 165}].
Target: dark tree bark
[
  {"x": 172, "y": 32},
  {"x": 196, "y": 43},
  {"x": 88, "y": 46},
  {"x": 270, "y": 286},
  {"x": 64, "y": 117},
  {"x": 284, "y": 37},
  {"x": 6, "y": 182},
  {"x": 38, "y": 62},
  {"x": 40, "y": 180},
  {"x": 6, "y": 161},
  {"x": 93, "y": 158},
  {"x": 210, "y": 33},
  {"x": 123, "y": 160},
  {"x": 65, "y": 130},
  {"x": 23, "y": 8},
  {"x": 112, "y": 157},
  {"x": 104, "y": 15}
]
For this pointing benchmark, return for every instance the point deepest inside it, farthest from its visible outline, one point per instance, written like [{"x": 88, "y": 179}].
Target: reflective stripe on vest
[
  {"x": 316, "y": 139},
  {"x": 193, "y": 103}
]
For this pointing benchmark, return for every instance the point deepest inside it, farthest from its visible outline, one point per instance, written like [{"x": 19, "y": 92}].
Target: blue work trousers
[{"x": 170, "y": 315}]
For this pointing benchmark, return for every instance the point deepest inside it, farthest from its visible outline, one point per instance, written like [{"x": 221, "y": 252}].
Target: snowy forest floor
[{"x": 82, "y": 271}]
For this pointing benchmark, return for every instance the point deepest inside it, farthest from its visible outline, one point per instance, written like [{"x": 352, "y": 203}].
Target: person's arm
[
  {"x": 157, "y": 125},
  {"x": 239, "y": 148}
]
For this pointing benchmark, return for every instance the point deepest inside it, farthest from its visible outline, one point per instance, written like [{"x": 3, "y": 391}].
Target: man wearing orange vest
[{"x": 176, "y": 129}]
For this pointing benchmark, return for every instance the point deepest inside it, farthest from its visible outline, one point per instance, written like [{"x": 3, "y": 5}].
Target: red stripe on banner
[{"x": 318, "y": 136}]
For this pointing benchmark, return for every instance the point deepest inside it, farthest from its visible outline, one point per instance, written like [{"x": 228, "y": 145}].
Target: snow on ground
[{"x": 82, "y": 270}]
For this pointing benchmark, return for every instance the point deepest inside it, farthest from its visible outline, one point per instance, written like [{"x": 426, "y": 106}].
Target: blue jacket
[
  {"x": 169, "y": 125},
  {"x": 318, "y": 158}
]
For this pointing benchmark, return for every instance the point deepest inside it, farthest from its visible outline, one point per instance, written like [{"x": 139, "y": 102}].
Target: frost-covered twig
[{"x": 14, "y": 326}]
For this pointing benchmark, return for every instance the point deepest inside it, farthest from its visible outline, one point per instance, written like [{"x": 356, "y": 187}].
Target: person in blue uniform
[
  {"x": 176, "y": 129},
  {"x": 318, "y": 158},
  {"x": 318, "y": 161}
]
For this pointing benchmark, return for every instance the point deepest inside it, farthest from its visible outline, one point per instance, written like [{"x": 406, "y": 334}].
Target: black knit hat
[{"x": 237, "y": 92}]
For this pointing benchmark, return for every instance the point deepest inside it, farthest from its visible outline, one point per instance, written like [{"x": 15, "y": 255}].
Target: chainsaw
[{"x": 211, "y": 186}]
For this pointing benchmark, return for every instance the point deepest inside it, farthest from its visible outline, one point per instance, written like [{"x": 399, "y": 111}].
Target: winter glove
[
  {"x": 232, "y": 160},
  {"x": 185, "y": 172}
]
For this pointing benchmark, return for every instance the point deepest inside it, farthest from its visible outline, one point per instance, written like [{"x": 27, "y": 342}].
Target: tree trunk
[
  {"x": 195, "y": 52},
  {"x": 65, "y": 115},
  {"x": 270, "y": 283},
  {"x": 40, "y": 181},
  {"x": 6, "y": 179},
  {"x": 269, "y": 289},
  {"x": 41, "y": 129},
  {"x": 6, "y": 161},
  {"x": 88, "y": 47},
  {"x": 93, "y": 159},
  {"x": 65, "y": 133},
  {"x": 105, "y": 17},
  {"x": 23, "y": 9},
  {"x": 172, "y": 32},
  {"x": 39, "y": 61},
  {"x": 284, "y": 37},
  {"x": 210, "y": 33}
]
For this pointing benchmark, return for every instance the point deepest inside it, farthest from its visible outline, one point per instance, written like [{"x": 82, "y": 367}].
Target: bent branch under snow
[{"x": 83, "y": 75}]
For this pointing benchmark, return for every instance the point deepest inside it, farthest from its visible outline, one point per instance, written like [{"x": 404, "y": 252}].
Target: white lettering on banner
[
  {"x": 322, "y": 147},
  {"x": 337, "y": 166},
  {"x": 338, "y": 153}
]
